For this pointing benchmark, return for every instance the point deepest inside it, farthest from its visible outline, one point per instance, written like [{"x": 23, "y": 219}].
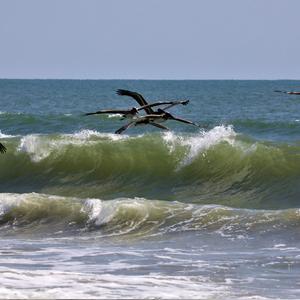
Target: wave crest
[
  {"x": 216, "y": 166},
  {"x": 137, "y": 217},
  {"x": 201, "y": 142}
]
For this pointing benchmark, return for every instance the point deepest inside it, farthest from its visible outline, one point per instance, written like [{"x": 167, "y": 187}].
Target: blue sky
[{"x": 150, "y": 39}]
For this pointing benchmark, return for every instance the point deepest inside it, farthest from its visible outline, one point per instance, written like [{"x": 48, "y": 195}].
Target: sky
[{"x": 150, "y": 39}]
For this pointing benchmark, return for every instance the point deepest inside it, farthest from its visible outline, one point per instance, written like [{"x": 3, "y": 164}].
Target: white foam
[
  {"x": 7, "y": 201},
  {"x": 201, "y": 142},
  {"x": 97, "y": 211},
  {"x": 74, "y": 285},
  {"x": 37, "y": 147},
  {"x": 3, "y": 136},
  {"x": 103, "y": 212},
  {"x": 87, "y": 134}
]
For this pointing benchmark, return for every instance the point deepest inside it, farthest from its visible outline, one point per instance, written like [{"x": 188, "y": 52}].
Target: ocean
[{"x": 209, "y": 212}]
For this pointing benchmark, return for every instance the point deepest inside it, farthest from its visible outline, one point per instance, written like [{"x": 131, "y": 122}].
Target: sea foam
[
  {"x": 5, "y": 136},
  {"x": 39, "y": 147},
  {"x": 200, "y": 142}
]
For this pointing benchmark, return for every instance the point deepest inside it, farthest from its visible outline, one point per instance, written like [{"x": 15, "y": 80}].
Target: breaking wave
[
  {"x": 42, "y": 214},
  {"x": 217, "y": 166}
]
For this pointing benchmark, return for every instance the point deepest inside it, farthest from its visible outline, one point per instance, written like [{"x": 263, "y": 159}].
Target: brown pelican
[
  {"x": 152, "y": 119},
  {"x": 148, "y": 107},
  {"x": 2, "y": 148},
  {"x": 132, "y": 113},
  {"x": 141, "y": 121}
]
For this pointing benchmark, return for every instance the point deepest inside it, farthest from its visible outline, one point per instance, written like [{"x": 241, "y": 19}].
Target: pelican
[
  {"x": 148, "y": 107},
  {"x": 2, "y": 148},
  {"x": 132, "y": 113},
  {"x": 152, "y": 119},
  {"x": 286, "y": 92}
]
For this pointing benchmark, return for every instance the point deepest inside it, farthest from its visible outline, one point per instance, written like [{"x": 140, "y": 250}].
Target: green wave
[
  {"x": 213, "y": 167},
  {"x": 40, "y": 214}
]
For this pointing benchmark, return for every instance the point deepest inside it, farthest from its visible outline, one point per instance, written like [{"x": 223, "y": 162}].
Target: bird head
[
  {"x": 160, "y": 111},
  {"x": 134, "y": 110},
  {"x": 167, "y": 116}
]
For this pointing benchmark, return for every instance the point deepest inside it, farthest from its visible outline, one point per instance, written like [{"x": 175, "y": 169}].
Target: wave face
[
  {"x": 40, "y": 215},
  {"x": 216, "y": 166}
]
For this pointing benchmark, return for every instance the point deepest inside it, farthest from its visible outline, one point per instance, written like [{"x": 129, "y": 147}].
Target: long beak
[{"x": 110, "y": 111}]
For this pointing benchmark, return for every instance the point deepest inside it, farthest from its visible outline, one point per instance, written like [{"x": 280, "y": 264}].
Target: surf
[
  {"x": 57, "y": 216},
  {"x": 215, "y": 166}
]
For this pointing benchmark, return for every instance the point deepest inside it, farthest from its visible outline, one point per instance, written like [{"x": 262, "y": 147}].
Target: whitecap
[
  {"x": 4, "y": 136},
  {"x": 200, "y": 142},
  {"x": 36, "y": 147},
  {"x": 87, "y": 134}
]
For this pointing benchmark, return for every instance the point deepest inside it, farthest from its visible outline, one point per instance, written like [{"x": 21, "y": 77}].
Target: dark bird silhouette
[
  {"x": 152, "y": 119},
  {"x": 286, "y": 92},
  {"x": 126, "y": 113},
  {"x": 141, "y": 121},
  {"x": 2, "y": 148},
  {"x": 131, "y": 113},
  {"x": 148, "y": 107}
]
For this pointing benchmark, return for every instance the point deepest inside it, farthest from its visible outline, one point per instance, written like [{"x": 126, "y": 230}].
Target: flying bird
[
  {"x": 154, "y": 119},
  {"x": 132, "y": 113},
  {"x": 148, "y": 107},
  {"x": 287, "y": 92}
]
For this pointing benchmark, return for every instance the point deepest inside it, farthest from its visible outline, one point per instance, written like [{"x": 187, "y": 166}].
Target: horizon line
[{"x": 152, "y": 79}]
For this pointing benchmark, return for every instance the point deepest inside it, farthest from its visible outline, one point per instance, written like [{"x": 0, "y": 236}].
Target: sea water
[{"x": 209, "y": 212}]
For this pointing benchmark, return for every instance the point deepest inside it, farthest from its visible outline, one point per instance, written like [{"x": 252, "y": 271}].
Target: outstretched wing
[
  {"x": 123, "y": 128},
  {"x": 137, "y": 97},
  {"x": 277, "y": 91},
  {"x": 159, "y": 126},
  {"x": 2, "y": 148},
  {"x": 171, "y": 103},
  {"x": 286, "y": 92},
  {"x": 111, "y": 111},
  {"x": 185, "y": 102},
  {"x": 184, "y": 121}
]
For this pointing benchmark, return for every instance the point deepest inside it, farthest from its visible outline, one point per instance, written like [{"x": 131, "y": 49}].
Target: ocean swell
[
  {"x": 61, "y": 216},
  {"x": 211, "y": 167}
]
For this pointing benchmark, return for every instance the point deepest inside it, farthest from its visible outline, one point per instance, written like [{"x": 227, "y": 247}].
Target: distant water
[{"x": 209, "y": 213}]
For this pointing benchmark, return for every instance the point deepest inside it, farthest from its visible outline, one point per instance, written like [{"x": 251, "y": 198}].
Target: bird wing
[
  {"x": 184, "y": 121},
  {"x": 185, "y": 102},
  {"x": 2, "y": 148},
  {"x": 277, "y": 91},
  {"x": 286, "y": 92},
  {"x": 156, "y": 104},
  {"x": 109, "y": 111},
  {"x": 137, "y": 97},
  {"x": 159, "y": 126},
  {"x": 123, "y": 128}
]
